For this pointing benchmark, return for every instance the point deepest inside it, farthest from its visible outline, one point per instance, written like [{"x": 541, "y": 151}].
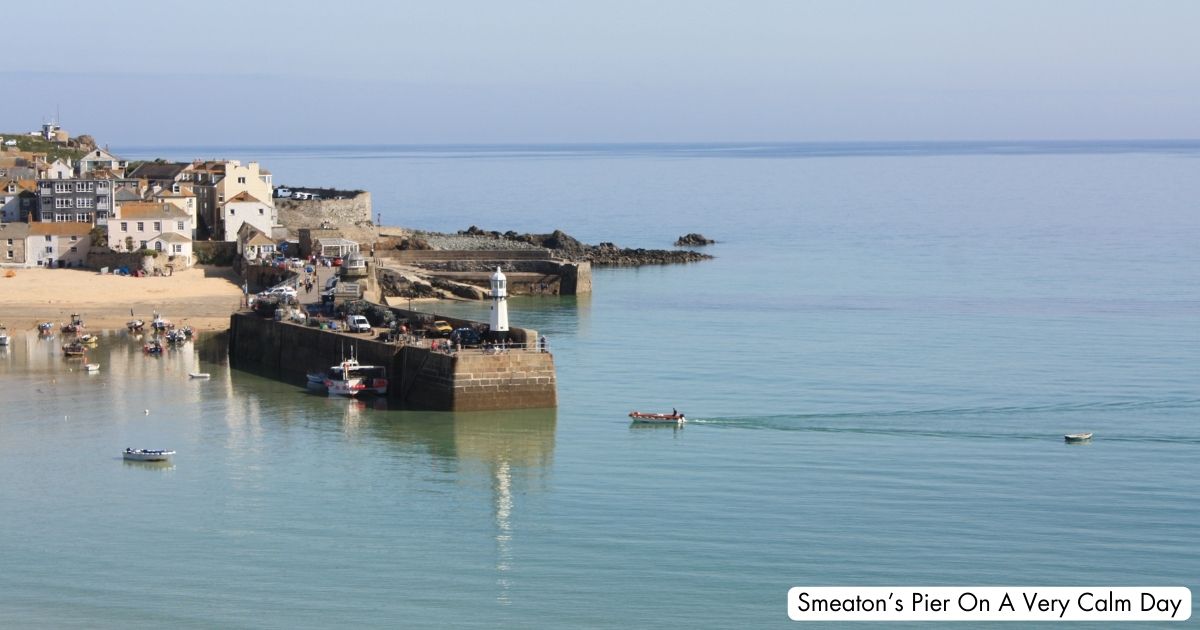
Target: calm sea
[{"x": 878, "y": 365}]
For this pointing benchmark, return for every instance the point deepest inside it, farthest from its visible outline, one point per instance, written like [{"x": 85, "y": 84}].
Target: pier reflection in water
[{"x": 264, "y": 471}]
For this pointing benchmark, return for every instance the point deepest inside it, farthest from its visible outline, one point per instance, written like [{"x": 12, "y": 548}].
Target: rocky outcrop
[
  {"x": 693, "y": 240},
  {"x": 567, "y": 247}
]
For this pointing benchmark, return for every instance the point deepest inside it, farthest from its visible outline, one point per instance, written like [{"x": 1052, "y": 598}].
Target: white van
[{"x": 358, "y": 323}]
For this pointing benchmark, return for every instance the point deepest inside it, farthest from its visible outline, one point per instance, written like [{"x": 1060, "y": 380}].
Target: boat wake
[{"x": 942, "y": 422}]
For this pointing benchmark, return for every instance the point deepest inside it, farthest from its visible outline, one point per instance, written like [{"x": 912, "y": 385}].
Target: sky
[{"x": 261, "y": 72}]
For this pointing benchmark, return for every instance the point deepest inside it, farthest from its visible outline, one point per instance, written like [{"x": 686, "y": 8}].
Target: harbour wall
[{"x": 419, "y": 378}]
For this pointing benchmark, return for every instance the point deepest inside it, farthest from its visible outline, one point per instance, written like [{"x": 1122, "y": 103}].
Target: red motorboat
[{"x": 675, "y": 417}]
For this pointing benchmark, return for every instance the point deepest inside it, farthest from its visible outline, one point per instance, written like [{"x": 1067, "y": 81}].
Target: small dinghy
[
  {"x": 147, "y": 455},
  {"x": 1077, "y": 437},
  {"x": 198, "y": 375},
  {"x": 674, "y": 417},
  {"x": 91, "y": 367}
]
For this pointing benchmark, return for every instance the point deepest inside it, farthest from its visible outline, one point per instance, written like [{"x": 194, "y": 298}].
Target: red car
[{"x": 337, "y": 262}]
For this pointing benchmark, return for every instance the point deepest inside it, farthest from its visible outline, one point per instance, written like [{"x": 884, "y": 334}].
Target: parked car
[
  {"x": 358, "y": 323},
  {"x": 337, "y": 262},
  {"x": 466, "y": 336},
  {"x": 440, "y": 328},
  {"x": 284, "y": 291}
]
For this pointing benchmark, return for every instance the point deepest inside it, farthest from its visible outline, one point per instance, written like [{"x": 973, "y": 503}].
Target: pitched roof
[
  {"x": 244, "y": 196},
  {"x": 14, "y": 230},
  {"x": 172, "y": 237},
  {"x": 149, "y": 210},
  {"x": 65, "y": 228},
  {"x": 126, "y": 194},
  {"x": 158, "y": 170},
  {"x": 258, "y": 238}
]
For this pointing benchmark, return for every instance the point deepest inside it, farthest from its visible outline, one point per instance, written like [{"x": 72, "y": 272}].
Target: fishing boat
[
  {"x": 198, "y": 375},
  {"x": 3, "y": 335},
  {"x": 147, "y": 455},
  {"x": 658, "y": 418},
  {"x": 1077, "y": 437},
  {"x": 91, "y": 367},
  {"x": 160, "y": 324},
  {"x": 75, "y": 325},
  {"x": 46, "y": 329},
  {"x": 74, "y": 349},
  {"x": 176, "y": 336},
  {"x": 89, "y": 339},
  {"x": 135, "y": 325},
  {"x": 348, "y": 378},
  {"x": 153, "y": 347}
]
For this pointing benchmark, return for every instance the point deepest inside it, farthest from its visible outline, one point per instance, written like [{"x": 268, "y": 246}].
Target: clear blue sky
[{"x": 464, "y": 71}]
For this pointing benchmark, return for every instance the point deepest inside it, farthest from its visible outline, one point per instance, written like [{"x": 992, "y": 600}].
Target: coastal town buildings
[
  {"x": 59, "y": 244},
  {"x": 158, "y": 226},
  {"x": 252, "y": 243},
  {"x": 100, "y": 159},
  {"x": 84, "y": 200},
  {"x": 244, "y": 208},
  {"x": 13, "y": 243},
  {"x": 16, "y": 195},
  {"x": 217, "y": 183}
]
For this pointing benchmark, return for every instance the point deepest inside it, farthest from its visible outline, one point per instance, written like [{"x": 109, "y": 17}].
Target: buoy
[{"x": 147, "y": 412}]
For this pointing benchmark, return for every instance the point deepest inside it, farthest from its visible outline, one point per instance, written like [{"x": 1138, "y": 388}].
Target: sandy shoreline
[{"x": 201, "y": 297}]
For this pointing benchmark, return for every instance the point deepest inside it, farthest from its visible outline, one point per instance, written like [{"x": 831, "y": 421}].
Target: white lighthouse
[{"x": 499, "y": 319}]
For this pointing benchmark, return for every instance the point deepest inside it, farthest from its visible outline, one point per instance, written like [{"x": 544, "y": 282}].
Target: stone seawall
[
  {"x": 351, "y": 217},
  {"x": 418, "y": 377}
]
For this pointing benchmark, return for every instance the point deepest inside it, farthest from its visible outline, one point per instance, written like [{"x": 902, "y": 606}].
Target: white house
[
  {"x": 245, "y": 208},
  {"x": 252, "y": 243},
  {"x": 58, "y": 244},
  {"x": 100, "y": 158},
  {"x": 159, "y": 226}
]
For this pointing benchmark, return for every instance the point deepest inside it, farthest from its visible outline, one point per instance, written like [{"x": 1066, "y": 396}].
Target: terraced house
[{"x": 80, "y": 200}]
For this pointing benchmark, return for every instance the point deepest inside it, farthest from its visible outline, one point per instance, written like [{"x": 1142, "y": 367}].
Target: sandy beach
[{"x": 200, "y": 297}]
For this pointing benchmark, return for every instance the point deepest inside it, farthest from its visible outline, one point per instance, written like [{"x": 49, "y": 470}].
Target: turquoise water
[{"x": 878, "y": 366}]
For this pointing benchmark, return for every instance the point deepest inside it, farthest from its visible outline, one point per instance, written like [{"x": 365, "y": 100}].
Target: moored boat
[
  {"x": 135, "y": 325},
  {"x": 198, "y": 375},
  {"x": 74, "y": 349},
  {"x": 1077, "y": 437},
  {"x": 153, "y": 347},
  {"x": 75, "y": 325},
  {"x": 674, "y": 417},
  {"x": 91, "y": 367},
  {"x": 348, "y": 378},
  {"x": 147, "y": 455},
  {"x": 3, "y": 335}
]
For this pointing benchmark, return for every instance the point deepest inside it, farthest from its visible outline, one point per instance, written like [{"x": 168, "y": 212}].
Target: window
[
  {"x": 141, "y": 228},
  {"x": 85, "y": 186},
  {"x": 62, "y": 187},
  {"x": 47, "y": 238},
  {"x": 174, "y": 188},
  {"x": 232, "y": 211},
  {"x": 158, "y": 226},
  {"x": 87, "y": 202},
  {"x": 10, "y": 241},
  {"x": 241, "y": 180},
  {"x": 49, "y": 250},
  {"x": 158, "y": 246},
  {"x": 179, "y": 226},
  {"x": 74, "y": 238},
  {"x": 143, "y": 244},
  {"x": 61, "y": 217},
  {"x": 124, "y": 226},
  {"x": 178, "y": 248},
  {"x": 74, "y": 249},
  {"x": 220, "y": 198},
  {"x": 260, "y": 210},
  {"x": 83, "y": 218},
  {"x": 64, "y": 202},
  {"x": 10, "y": 254}
]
